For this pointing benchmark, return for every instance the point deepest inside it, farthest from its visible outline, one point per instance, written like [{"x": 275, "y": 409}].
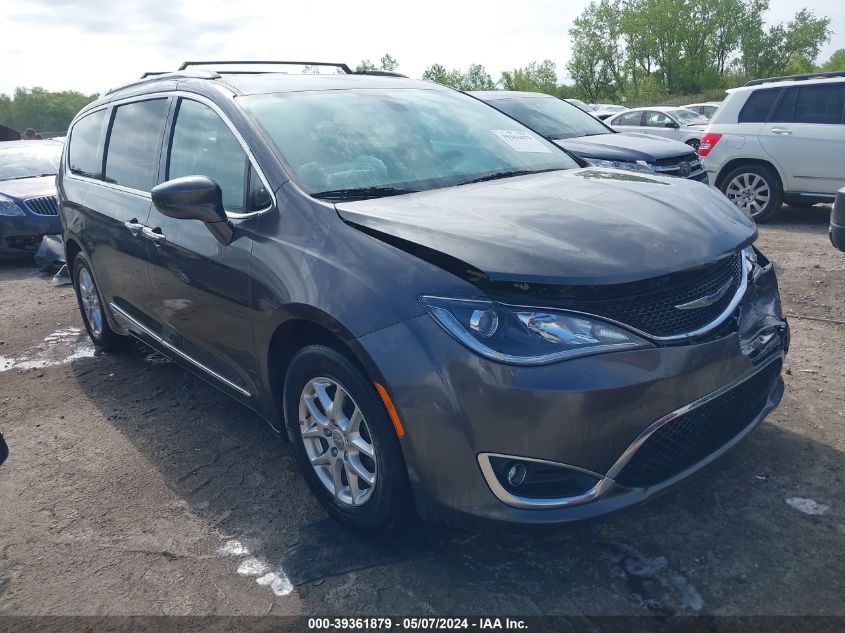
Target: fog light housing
[
  {"x": 535, "y": 479},
  {"x": 516, "y": 474}
]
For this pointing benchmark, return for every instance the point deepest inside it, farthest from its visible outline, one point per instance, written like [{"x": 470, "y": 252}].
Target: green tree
[
  {"x": 45, "y": 111},
  {"x": 836, "y": 62},
  {"x": 388, "y": 63},
  {"x": 475, "y": 78},
  {"x": 532, "y": 78}
]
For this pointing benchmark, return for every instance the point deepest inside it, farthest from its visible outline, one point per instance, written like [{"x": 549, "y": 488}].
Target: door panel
[
  {"x": 202, "y": 286},
  {"x": 805, "y": 134}
]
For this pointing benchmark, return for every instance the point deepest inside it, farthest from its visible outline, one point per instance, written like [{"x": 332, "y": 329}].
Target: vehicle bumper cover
[
  {"x": 584, "y": 413},
  {"x": 14, "y": 231}
]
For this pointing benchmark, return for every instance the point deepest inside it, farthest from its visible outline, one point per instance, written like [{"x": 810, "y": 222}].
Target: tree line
[{"x": 639, "y": 51}]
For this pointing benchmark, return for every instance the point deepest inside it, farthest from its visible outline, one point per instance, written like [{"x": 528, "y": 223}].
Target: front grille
[
  {"x": 686, "y": 165},
  {"x": 690, "y": 438},
  {"x": 655, "y": 313},
  {"x": 45, "y": 205}
]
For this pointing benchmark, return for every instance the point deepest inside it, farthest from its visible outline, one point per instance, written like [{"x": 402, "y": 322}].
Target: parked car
[
  {"x": 706, "y": 109},
  {"x": 604, "y": 111},
  {"x": 837, "y": 221},
  {"x": 676, "y": 123},
  {"x": 593, "y": 141},
  {"x": 585, "y": 107},
  {"x": 778, "y": 140},
  {"x": 429, "y": 300},
  {"x": 28, "y": 209}
]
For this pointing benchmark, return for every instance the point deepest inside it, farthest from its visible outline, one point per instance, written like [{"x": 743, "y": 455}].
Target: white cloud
[{"x": 91, "y": 45}]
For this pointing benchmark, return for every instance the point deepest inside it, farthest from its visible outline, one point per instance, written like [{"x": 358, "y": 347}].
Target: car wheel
[
  {"x": 344, "y": 440},
  {"x": 755, "y": 189},
  {"x": 694, "y": 143},
  {"x": 91, "y": 306}
]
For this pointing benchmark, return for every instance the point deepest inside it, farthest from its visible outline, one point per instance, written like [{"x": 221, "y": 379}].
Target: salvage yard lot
[{"x": 133, "y": 487}]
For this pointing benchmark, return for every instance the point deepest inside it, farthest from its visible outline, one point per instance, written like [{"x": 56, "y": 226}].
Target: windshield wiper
[
  {"x": 508, "y": 174},
  {"x": 361, "y": 193}
]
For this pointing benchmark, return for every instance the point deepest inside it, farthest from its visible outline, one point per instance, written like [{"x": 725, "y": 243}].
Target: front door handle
[
  {"x": 153, "y": 234},
  {"x": 781, "y": 131},
  {"x": 134, "y": 226}
]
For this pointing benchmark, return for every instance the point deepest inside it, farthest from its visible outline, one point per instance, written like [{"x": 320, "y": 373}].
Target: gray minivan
[{"x": 432, "y": 303}]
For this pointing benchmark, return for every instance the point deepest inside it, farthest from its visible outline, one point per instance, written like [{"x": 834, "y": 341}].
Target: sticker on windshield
[{"x": 522, "y": 141}]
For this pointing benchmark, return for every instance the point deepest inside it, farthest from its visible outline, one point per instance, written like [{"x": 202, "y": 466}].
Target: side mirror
[
  {"x": 194, "y": 198},
  {"x": 672, "y": 125}
]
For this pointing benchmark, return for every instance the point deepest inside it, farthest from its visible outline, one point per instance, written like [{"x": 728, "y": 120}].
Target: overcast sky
[{"x": 92, "y": 45}]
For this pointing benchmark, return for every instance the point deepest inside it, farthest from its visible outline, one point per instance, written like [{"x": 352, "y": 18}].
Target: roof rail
[
  {"x": 380, "y": 73},
  {"x": 151, "y": 76},
  {"x": 836, "y": 73},
  {"x": 346, "y": 69}
]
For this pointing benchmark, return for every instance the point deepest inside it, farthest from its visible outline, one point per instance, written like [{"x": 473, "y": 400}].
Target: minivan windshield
[
  {"x": 368, "y": 143},
  {"x": 29, "y": 161},
  {"x": 551, "y": 117}
]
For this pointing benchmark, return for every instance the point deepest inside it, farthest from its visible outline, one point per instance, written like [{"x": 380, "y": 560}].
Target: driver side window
[
  {"x": 657, "y": 119},
  {"x": 203, "y": 145}
]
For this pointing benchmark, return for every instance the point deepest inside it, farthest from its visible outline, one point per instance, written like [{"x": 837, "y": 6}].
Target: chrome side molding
[{"x": 120, "y": 313}]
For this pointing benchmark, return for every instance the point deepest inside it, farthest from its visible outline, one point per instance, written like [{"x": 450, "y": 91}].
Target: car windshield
[
  {"x": 29, "y": 161},
  {"x": 368, "y": 143},
  {"x": 688, "y": 117},
  {"x": 550, "y": 116},
  {"x": 581, "y": 105}
]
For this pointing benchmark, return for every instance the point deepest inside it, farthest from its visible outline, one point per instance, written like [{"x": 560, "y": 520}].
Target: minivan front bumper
[{"x": 591, "y": 415}]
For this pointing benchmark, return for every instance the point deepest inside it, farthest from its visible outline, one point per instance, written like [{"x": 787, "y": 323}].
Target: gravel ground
[{"x": 135, "y": 488}]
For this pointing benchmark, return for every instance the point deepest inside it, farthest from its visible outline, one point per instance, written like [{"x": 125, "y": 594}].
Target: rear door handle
[
  {"x": 134, "y": 226},
  {"x": 153, "y": 234},
  {"x": 782, "y": 131}
]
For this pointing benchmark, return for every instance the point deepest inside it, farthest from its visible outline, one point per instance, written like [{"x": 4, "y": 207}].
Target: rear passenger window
[
  {"x": 758, "y": 106},
  {"x": 786, "y": 108},
  {"x": 632, "y": 118},
  {"x": 134, "y": 145},
  {"x": 203, "y": 145},
  {"x": 84, "y": 157},
  {"x": 821, "y": 104}
]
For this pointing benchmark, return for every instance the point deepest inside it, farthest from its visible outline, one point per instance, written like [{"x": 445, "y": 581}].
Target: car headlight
[
  {"x": 10, "y": 207},
  {"x": 639, "y": 165},
  {"x": 526, "y": 336}
]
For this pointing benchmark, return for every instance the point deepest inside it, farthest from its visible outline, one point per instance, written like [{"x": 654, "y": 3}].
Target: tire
[
  {"x": 90, "y": 301},
  {"x": 315, "y": 375},
  {"x": 694, "y": 143},
  {"x": 755, "y": 189}
]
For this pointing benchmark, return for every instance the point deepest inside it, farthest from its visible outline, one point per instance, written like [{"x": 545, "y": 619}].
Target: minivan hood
[
  {"x": 24, "y": 188},
  {"x": 629, "y": 146},
  {"x": 573, "y": 227}
]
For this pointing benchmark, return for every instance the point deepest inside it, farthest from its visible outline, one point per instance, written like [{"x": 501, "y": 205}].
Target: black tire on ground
[
  {"x": 390, "y": 499},
  {"x": 763, "y": 178},
  {"x": 104, "y": 338}
]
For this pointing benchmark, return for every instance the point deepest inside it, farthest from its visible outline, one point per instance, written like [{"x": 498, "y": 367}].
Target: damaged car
[
  {"x": 433, "y": 304},
  {"x": 28, "y": 209}
]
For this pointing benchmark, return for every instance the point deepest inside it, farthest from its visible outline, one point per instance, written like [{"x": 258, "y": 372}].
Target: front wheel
[
  {"x": 755, "y": 189},
  {"x": 344, "y": 440},
  {"x": 91, "y": 306}
]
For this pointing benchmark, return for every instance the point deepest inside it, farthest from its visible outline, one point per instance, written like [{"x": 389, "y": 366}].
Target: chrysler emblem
[{"x": 707, "y": 300}]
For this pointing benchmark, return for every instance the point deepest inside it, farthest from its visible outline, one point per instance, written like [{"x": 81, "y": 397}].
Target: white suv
[{"x": 778, "y": 140}]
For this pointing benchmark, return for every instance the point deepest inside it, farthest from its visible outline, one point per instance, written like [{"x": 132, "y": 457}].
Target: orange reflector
[{"x": 391, "y": 410}]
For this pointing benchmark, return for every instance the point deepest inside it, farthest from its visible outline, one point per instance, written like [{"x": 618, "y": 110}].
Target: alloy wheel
[
  {"x": 90, "y": 300},
  {"x": 750, "y": 192},
  {"x": 337, "y": 441}
]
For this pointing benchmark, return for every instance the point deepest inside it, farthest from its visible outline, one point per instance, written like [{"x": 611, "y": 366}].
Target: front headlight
[
  {"x": 10, "y": 207},
  {"x": 639, "y": 165},
  {"x": 526, "y": 336}
]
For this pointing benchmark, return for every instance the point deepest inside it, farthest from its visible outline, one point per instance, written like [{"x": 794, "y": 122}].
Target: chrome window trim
[
  {"x": 123, "y": 314},
  {"x": 607, "y": 481},
  {"x": 178, "y": 94}
]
